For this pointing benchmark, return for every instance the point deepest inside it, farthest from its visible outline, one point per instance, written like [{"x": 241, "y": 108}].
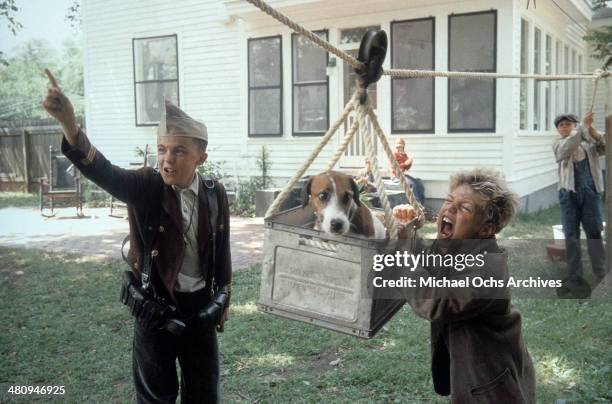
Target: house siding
[
  {"x": 213, "y": 83},
  {"x": 209, "y": 78}
]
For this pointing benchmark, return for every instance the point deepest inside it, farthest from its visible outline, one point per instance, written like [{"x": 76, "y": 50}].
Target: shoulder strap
[{"x": 213, "y": 214}]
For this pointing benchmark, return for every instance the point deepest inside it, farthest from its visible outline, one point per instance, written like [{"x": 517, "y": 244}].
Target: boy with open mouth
[{"x": 478, "y": 353}]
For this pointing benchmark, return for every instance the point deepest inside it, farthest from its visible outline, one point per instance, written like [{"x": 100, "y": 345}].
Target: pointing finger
[{"x": 51, "y": 78}]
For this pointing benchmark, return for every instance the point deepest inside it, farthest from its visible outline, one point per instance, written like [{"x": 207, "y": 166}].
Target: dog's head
[{"x": 334, "y": 198}]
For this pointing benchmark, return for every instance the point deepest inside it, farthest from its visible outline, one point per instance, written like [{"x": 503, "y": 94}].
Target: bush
[{"x": 246, "y": 190}]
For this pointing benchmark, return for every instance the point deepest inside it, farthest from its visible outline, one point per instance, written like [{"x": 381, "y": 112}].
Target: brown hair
[{"x": 500, "y": 203}]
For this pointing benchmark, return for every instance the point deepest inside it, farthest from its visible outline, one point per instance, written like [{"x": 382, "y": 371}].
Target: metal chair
[{"x": 63, "y": 183}]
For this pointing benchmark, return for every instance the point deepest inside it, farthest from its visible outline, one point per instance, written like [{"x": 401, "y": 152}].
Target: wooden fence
[{"x": 24, "y": 152}]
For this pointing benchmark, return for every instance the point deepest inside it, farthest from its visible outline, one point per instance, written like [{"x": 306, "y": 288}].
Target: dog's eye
[{"x": 323, "y": 196}]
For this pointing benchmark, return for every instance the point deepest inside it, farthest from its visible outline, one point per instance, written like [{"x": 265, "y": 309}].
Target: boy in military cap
[
  {"x": 577, "y": 151},
  {"x": 179, "y": 253}
]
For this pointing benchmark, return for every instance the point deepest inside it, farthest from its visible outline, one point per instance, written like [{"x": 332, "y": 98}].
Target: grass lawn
[
  {"x": 62, "y": 324},
  {"x": 18, "y": 200}
]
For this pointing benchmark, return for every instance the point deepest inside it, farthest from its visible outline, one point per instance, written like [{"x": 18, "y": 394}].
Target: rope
[
  {"x": 595, "y": 90},
  {"x": 396, "y": 168},
  {"x": 263, "y": 6},
  {"x": 482, "y": 75},
  {"x": 296, "y": 177},
  {"x": 369, "y": 139},
  {"x": 345, "y": 142}
]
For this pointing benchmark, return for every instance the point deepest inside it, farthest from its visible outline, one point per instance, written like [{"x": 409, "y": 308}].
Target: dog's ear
[
  {"x": 355, "y": 189},
  {"x": 306, "y": 193}
]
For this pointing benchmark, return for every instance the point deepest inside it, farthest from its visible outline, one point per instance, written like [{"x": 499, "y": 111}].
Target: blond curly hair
[{"x": 500, "y": 203}]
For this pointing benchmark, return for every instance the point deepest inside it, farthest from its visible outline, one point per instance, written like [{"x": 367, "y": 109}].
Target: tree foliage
[
  {"x": 600, "y": 40},
  {"x": 24, "y": 83},
  {"x": 8, "y": 8}
]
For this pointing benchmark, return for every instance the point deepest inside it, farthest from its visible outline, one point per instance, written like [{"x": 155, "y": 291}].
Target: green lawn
[
  {"x": 18, "y": 200},
  {"x": 62, "y": 324}
]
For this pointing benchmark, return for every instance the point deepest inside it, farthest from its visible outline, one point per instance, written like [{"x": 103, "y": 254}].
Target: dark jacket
[
  {"x": 478, "y": 353},
  {"x": 154, "y": 207}
]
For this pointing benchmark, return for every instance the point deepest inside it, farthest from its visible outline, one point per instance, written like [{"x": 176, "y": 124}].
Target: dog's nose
[{"x": 336, "y": 225}]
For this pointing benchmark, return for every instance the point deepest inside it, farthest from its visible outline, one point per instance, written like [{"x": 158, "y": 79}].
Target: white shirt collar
[{"x": 195, "y": 185}]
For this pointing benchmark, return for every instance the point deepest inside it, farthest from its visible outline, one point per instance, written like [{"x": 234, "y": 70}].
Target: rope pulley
[{"x": 372, "y": 52}]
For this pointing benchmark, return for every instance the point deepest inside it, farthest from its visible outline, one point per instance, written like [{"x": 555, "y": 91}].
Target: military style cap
[
  {"x": 566, "y": 117},
  {"x": 175, "y": 122}
]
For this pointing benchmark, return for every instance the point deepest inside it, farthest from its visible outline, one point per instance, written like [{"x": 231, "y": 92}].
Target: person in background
[
  {"x": 577, "y": 151},
  {"x": 405, "y": 162}
]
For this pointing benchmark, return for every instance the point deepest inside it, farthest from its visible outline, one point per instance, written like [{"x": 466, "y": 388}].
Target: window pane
[
  {"x": 155, "y": 59},
  {"x": 354, "y": 35},
  {"x": 413, "y": 48},
  {"x": 265, "y": 62},
  {"x": 470, "y": 104},
  {"x": 309, "y": 60},
  {"x": 524, "y": 70},
  {"x": 472, "y": 48},
  {"x": 413, "y": 104},
  {"x": 472, "y": 40},
  {"x": 547, "y": 70},
  {"x": 149, "y": 98},
  {"x": 310, "y": 108},
  {"x": 566, "y": 87},
  {"x": 264, "y": 112},
  {"x": 574, "y": 85},
  {"x": 537, "y": 56},
  {"x": 413, "y": 45},
  {"x": 580, "y": 69},
  {"x": 558, "y": 84}
]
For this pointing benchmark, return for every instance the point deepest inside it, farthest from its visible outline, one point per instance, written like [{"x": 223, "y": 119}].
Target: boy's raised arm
[{"x": 125, "y": 185}]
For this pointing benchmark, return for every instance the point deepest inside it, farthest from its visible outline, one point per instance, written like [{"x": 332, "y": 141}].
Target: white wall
[
  {"x": 533, "y": 164},
  {"x": 436, "y": 155},
  {"x": 213, "y": 85},
  {"x": 208, "y": 54}
]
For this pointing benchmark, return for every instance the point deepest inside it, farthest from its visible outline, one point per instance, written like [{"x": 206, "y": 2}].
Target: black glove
[{"x": 212, "y": 313}]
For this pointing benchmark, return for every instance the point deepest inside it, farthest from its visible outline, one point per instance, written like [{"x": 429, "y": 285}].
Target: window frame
[
  {"x": 178, "y": 87},
  {"x": 448, "y": 92},
  {"x": 395, "y": 131},
  {"x": 279, "y": 87},
  {"x": 294, "y": 85},
  {"x": 536, "y": 68}
]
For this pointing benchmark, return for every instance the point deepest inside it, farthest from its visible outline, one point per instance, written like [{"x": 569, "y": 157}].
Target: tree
[
  {"x": 7, "y": 12},
  {"x": 24, "y": 83},
  {"x": 600, "y": 40}
]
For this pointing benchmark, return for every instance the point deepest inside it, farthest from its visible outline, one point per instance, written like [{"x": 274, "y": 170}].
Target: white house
[{"x": 254, "y": 83}]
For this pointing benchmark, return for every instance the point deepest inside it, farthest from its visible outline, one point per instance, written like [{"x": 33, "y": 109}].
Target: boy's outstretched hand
[{"x": 60, "y": 108}]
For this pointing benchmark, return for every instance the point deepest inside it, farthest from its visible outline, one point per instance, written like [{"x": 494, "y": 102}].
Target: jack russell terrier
[{"x": 334, "y": 198}]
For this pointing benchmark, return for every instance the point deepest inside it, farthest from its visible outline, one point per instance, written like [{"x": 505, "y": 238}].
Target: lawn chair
[{"x": 63, "y": 183}]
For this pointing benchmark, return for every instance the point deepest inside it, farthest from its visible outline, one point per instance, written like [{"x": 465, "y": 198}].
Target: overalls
[{"x": 583, "y": 205}]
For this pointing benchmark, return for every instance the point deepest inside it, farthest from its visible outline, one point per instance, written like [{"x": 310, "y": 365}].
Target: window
[
  {"x": 558, "y": 83},
  {"x": 524, "y": 70},
  {"x": 580, "y": 70},
  {"x": 412, "y": 99},
  {"x": 574, "y": 99},
  {"x": 472, "y": 47},
  {"x": 547, "y": 89},
  {"x": 537, "y": 57},
  {"x": 155, "y": 76},
  {"x": 265, "y": 86},
  {"x": 310, "y": 86},
  {"x": 566, "y": 87}
]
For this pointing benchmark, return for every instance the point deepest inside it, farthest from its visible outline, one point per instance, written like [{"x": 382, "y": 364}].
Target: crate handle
[{"x": 321, "y": 245}]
